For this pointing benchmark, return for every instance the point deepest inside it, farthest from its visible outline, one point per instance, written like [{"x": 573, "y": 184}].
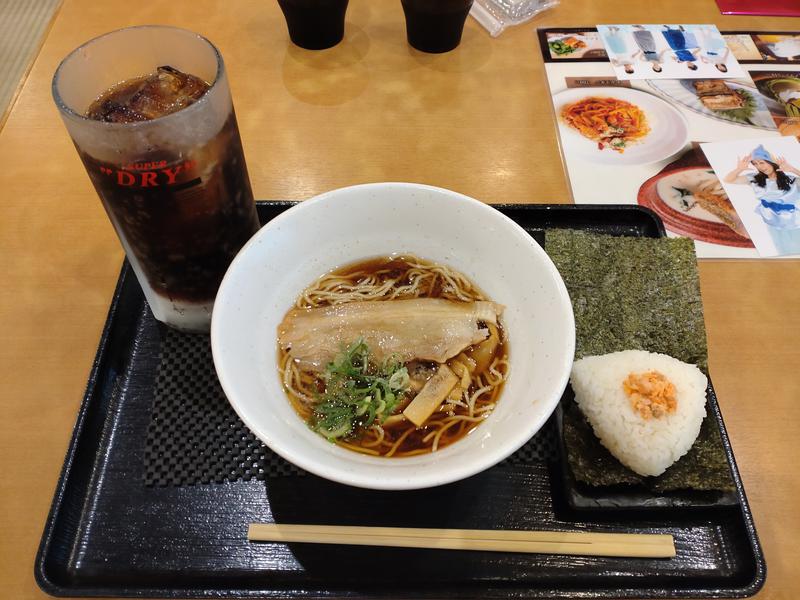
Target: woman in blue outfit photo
[
  {"x": 647, "y": 44},
  {"x": 775, "y": 186},
  {"x": 684, "y": 45},
  {"x": 621, "y": 54},
  {"x": 713, "y": 49}
]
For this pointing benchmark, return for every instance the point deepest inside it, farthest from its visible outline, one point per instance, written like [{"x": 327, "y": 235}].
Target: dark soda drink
[
  {"x": 183, "y": 216},
  {"x": 435, "y": 25},
  {"x": 164, "y": 154},
  {"x": 314, "y": 24}
]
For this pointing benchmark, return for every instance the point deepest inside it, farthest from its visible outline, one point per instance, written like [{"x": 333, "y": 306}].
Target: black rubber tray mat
[
  {"x": 127, "y": 520},
  {"x": 195, "y": 436}
]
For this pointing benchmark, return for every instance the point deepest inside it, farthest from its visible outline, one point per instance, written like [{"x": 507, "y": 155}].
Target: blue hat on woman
[{"x": 761, "y": 153}]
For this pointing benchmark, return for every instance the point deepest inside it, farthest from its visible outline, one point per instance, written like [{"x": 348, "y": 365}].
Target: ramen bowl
[{"x": 353, "y": 224}]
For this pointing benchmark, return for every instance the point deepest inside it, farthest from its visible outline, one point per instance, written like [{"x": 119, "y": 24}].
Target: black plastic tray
[{"x": 108, "y": 534}]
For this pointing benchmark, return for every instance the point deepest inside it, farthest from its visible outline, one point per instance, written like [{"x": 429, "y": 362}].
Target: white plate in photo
[
  {"x": 754, "y": 114},
  {"x": 668, "y": 133}
]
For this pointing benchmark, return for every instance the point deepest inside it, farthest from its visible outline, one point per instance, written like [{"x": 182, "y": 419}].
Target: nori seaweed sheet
[{"x": 633, "y": 293}]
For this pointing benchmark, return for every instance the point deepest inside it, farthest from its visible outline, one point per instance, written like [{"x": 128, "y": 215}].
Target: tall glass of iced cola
[{"x": 150, "y": 112}]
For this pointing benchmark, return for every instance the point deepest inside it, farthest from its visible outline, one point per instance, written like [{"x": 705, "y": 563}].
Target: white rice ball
[{"x": 645, "y": 445}]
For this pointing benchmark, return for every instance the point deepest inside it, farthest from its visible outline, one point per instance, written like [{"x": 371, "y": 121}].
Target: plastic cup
[
  {"x": 435, "y": 25},
  {"x": 314, "y": 24}
]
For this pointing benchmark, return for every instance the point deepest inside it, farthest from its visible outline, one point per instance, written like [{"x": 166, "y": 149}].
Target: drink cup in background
[
  {"x": 163, "y": 151},
  {"x": 315, "y": 24},
  {"x": 435, "y": 25}
]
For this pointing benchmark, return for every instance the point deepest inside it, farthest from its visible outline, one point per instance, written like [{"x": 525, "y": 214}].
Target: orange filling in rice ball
[{"x": 651, "y": 394}]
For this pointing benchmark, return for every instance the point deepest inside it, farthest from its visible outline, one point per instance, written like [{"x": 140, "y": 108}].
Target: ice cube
[
  {"x": 114, "y": 112},
  {"x": 166, "y": 91}
]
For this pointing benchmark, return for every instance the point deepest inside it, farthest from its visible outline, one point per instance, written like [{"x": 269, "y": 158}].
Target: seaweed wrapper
[{"x": 633, "y": 293}]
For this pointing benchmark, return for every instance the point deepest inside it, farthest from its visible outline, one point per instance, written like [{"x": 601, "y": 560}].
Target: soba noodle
[{"x": 399, "y": 278}]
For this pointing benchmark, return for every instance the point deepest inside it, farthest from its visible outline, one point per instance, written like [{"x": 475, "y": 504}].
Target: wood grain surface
[{"x": 477, "y": 120}]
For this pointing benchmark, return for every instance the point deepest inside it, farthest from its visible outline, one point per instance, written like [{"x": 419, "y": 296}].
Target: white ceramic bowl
[{"x": 355, "y": 223}]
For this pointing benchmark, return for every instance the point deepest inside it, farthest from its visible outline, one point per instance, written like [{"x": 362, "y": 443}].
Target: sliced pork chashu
[{"x": 423, "y": 328}]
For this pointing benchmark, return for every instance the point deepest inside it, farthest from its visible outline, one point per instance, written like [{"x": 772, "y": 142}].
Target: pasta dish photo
[{"x": 611, "y": 122}]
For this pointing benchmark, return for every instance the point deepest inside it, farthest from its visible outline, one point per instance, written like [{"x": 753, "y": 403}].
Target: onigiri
[{"x": 645, "y": 408}]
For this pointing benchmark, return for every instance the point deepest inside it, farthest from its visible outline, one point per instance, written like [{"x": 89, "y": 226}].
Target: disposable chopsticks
[{"x": 637, "y": 545}]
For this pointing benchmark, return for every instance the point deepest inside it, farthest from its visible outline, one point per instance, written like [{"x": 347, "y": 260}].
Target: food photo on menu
[
  {"x": 742, "y": 46},
  {"x": 577, "y": 44},
  {"x": 641, "y": 136},
  {"x": 780, "y": 90},
  {"x": 694, "y": 204},
  {"x": 779, "y": 47}
]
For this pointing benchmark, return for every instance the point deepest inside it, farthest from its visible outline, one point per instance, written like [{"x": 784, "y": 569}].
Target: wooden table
[{"x": 477, "y": 120}]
